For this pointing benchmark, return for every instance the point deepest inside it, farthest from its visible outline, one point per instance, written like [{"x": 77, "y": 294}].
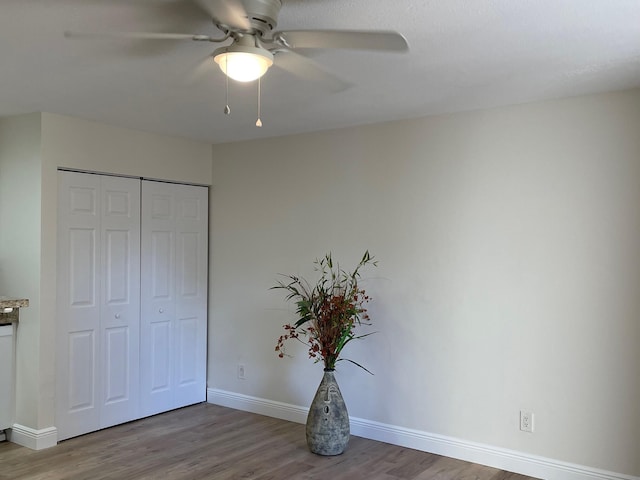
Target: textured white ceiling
[{"x": 464, "y": 54}]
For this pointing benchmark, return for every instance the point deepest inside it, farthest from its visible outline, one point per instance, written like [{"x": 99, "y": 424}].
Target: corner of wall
[{"x": 32, "y": 438}]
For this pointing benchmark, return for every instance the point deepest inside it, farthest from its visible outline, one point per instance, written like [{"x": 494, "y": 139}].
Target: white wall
[
  {"x": 83, "y": 145},
  {"x": 20, "y": 180},
  {"x": 508, "y": 243},
  {"x": 45, "y": 142}
]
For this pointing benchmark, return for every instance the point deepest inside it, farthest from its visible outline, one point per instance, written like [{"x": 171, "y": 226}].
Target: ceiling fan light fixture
[{"x": 243, "y": 63}]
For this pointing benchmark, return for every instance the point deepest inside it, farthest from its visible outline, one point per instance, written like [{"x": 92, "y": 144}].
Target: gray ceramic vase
[{"x": 328, "y": 419}]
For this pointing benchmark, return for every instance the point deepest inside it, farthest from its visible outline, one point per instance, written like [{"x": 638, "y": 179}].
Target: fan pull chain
[
  {"x": 227, "y": 110},
  {"x": 258, "y": 122}
]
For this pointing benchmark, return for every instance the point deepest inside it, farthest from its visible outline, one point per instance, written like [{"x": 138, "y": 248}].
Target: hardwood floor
[{"x": 211, "y": 442}]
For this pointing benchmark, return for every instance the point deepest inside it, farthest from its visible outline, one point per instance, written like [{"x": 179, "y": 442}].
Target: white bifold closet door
[
  {"x": 173, "y": 296},
  {"x": 132, "y": 300},
  {"x": 98, "y": 328}
]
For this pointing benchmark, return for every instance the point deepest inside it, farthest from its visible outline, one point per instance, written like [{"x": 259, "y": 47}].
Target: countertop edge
[{"x": 13, "y": 302}]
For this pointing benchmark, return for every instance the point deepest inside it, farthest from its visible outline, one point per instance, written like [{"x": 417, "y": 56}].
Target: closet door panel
[
  {"x": 82, "y": 267},
  {"x": 188, "y": 253},
  {"x": 160, "y": 364},
  {"x": 186, "y": 338},
  {"x": 81, "y": 366},
  {"x": 120, "y": 312},
  {"x": 117, "y": 275},
  {"x": 162, "y": 266},
  {"x": 174, "y": 295},
  {"x": 118, "y": 361},
  {"x": 158, "y": 298},
  {"x": 192, "y": 219},
  {"x": 98, "y": 302},
  {"x": 78, "y": 386}
]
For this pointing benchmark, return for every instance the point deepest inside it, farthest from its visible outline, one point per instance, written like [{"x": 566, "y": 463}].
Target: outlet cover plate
[{"x": 526, "y": 421}]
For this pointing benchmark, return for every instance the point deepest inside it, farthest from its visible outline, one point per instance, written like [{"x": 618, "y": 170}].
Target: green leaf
[{"x": 356, "y": 364}]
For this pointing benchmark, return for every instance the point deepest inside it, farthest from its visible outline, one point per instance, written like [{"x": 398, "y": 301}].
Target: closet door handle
[
  {"x": 161, "y": 310},
  {"x": 117, "y": 315}
]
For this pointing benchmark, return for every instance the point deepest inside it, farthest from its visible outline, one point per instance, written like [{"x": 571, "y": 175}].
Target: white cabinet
[
  {"x": 132, "y": 297},
  {"x": 6, "y": 376}
]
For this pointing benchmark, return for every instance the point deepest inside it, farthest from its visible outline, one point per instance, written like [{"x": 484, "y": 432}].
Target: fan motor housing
[{"x": 262, "y": 14}]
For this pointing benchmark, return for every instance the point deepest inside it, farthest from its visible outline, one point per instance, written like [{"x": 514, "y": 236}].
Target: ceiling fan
[{"x": 252, "y": 45}]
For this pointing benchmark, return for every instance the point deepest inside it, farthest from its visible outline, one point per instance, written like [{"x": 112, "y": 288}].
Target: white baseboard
[
  {"x": 510, "y": 460},
  {"x": 33, "y": 439},
  {"x": 269, "y": 408}
]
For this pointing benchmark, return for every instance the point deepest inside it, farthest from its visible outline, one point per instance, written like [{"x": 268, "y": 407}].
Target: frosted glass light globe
[{"x": 243, "y": 63}]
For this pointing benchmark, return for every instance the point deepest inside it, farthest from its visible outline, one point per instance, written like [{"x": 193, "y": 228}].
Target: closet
[{"x": 132, "y": 297}]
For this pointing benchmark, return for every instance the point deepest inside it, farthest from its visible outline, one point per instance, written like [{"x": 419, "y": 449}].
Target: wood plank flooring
[{"x": 211, "y": 442}]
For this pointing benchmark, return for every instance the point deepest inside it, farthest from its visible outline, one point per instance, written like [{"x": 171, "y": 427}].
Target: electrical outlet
[
  {"x": 526, "y": 421},
  {"x": 241, "y": 371}
]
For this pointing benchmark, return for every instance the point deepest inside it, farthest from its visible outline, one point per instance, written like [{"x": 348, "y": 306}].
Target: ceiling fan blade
[
  {"x": 141, "y": 36},
  {"x": 201, "y": 71},
  {"x": 226, "y": 12},
  {"x": 307, "y": 69},
  {"x": 346, "y": 39}
]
